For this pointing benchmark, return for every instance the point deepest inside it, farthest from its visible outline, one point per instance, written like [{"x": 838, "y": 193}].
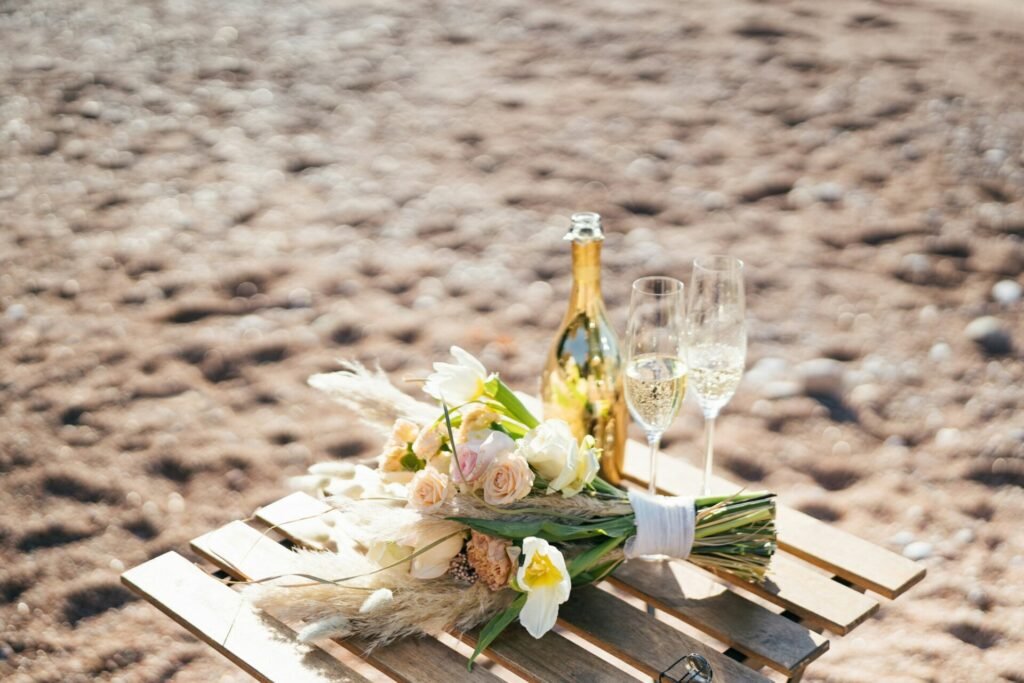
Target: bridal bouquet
[{"x": 479, "y": 512}]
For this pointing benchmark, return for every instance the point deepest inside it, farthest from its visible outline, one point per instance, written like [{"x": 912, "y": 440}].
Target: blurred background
[{"x": 203, "y": 203}]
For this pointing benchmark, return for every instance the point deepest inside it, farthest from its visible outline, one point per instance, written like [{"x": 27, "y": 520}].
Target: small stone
[
  {"x": 1007, "y": 292},
  {"x": 979, "y": 598},
  {"x": 44, "y": 143},
  {"x": 947, "y": 437},
  {"x": 23, "y": 608},
  {"x": 940, "y": 352},
  {"x": 300, "y": 298},
  {"x": 995, "y": 156},
  {"x": 918, "y": 550},
  {"x": 902, "y": 538},
  {"x": 821, "y": 376},
  {"x": 781, "y": 389},
  {"x": 70, "y": 289},
  {"x": 990, "y": 334},
  {"x": 175, "y": 502},
  {"x": 828, "y": 192},
  {"x": 16, "y": 312},
  {"x": 963, "y": 536}
]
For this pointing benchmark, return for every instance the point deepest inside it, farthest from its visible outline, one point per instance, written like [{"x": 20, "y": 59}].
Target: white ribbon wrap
[{"x": 664, "y": 525}]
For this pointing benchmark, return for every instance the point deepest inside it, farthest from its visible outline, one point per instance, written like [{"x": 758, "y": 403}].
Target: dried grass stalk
[{"x": 372, "y": 396}]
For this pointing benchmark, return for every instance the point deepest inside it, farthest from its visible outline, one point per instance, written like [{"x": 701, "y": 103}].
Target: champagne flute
[
  {"x": 655, "y": 376},
  {"x": 716, "y": 341}
]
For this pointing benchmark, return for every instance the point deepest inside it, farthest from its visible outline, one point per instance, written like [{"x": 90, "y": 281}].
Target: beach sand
[{"x": 201, "y": 204}]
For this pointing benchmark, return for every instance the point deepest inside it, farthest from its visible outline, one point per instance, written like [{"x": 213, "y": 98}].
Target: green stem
[{"x": 501, "y": 393}]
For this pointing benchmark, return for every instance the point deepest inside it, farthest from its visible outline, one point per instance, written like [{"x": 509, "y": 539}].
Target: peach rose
[
  {"x": 428, "y": 490},
  {"x": 507, "y": 480}
]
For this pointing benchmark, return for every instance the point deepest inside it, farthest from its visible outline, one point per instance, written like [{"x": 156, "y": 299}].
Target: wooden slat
[
  {"x": 860, "y": 562},
  {"x": 260, "y": 645},
  {"x": 691, "y": 596},
  {"x": 551, "y": 659},
  {"x": 642, "y": 641},
  {"x": 246, "y": 553}
]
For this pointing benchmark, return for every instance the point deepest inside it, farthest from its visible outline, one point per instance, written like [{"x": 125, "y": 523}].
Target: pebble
[
  {"x": 821, "y": 376},
  {"x": 979, "y": 598},
  {"x": 918, "y": 550},
  {"x": 947, "y": 437},
  {"x": 902, "y": 538},
  {"x": 1007, "y": 292},
  {"x": 963, "y": 536},
  {"x": 781, "y": 389},
  {"x": 828, "y": 192},
  {"x": 16, "y": 312},
  {"x": 990, "y": 334},
  {"x": 940, "y": 352}
]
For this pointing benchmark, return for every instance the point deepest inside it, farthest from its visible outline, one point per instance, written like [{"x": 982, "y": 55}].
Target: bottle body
[{"x": 582, "y": 380}]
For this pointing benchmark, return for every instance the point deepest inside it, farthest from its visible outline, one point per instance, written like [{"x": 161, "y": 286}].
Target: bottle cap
[{"x": 586, "y": 227}]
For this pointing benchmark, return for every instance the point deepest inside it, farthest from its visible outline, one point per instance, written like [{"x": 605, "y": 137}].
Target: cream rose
[
  {"x": 552, "y": 450},
  {"x": 404, "y": 431},
  {"x": 428, "y": 490},
  {"x": 428, "y": 443},
  {"x": 580, "y": 469},
  {"x": 507, "y": 480}
]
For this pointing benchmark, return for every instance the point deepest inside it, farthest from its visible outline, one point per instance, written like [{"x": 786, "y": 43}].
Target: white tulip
[
  {"x": 546, "y": 581},
  {"x": 457, "y": 383}
]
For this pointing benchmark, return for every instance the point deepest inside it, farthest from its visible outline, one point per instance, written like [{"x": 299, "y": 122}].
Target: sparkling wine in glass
[
  {"x": 716, "y": 341},
  {"x": 655, "y": 377}
]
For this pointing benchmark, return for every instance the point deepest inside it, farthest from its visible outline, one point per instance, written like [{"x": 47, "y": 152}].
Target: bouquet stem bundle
[{"x": 508, "y": 506}]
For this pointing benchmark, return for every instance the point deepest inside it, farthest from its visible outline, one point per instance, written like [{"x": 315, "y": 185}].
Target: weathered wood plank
[
  {"x": 642, "y": 641},
  {"x": 858, "y": 561},
  {"x": 551, "y": 659},
  {"x": 692, "y": 597},
  {"x": 260, "y": 645},
  {"x": 247, "y": 553}
]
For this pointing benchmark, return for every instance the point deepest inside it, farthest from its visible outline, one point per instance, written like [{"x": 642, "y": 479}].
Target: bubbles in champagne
[
  {"x": 655, "y": 386},
  {"x": 715, "y": 372}
]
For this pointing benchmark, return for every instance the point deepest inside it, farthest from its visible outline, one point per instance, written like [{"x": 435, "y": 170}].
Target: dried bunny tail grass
[
  {"x": 337, "y": 610},
  {"x": 371, "y": 396},
  {"x": 580, "y": 506}
]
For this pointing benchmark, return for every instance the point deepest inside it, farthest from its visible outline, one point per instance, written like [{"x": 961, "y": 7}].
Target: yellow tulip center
[{"x": 541, "y": 572}]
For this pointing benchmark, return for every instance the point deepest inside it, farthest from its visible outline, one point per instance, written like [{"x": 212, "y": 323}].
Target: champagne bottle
[{"x": 582, "y": 382}]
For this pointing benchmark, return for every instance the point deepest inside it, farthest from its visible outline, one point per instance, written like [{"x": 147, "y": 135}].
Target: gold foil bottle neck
[{"x": 585, "y": 228}]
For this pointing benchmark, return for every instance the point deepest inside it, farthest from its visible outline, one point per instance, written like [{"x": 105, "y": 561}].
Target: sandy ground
[{"x": 203, "y": 203}]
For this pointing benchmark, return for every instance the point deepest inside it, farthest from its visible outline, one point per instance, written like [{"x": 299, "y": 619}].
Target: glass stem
[
  {"x": 709, "y": 453},
  {"x": 654, "y": 441}
]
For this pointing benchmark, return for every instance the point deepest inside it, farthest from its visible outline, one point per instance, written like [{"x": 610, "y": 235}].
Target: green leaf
[
  {"x": 495, "y": 626},
  {"x": 411, "y": 462},
  {"x": 619, "y": 527},
  {"x": 501, "y": 393},
  {"x": 588, "y": 559}
]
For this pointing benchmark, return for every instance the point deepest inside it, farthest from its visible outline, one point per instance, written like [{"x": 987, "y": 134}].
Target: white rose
[
  {"x": 580, "y": 469},
  {"x": 429, "y": 490},
  {"x": 507, "y": 480},
  {"x": 547, "y": 446}
]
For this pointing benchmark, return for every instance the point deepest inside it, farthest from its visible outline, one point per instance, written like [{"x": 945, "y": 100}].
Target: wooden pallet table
[{"x": 819, "y": 584}]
